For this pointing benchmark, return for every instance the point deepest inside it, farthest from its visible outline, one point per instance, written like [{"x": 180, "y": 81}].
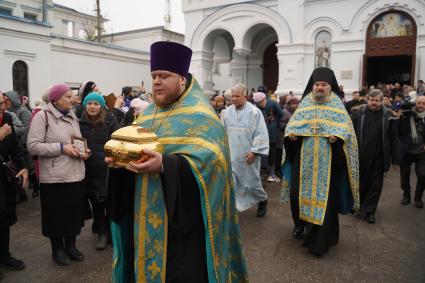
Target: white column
[
  {"x": 280, "y": 59},
  {"x": 239, "y": 65},
  {"x": 293, "y": 63},
  {"x": 202, "y": 69},
  {"x": 254, "y": 72}
]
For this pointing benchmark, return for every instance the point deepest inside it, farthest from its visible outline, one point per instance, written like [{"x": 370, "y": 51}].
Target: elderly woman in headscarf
[
  {"x": 260, "y": 101},
  {"x": 62, "y": 173},
  {"x": 10, "y": 149},
  {"x": 220, "y": 104},
  {"x": 21, "y": 122}
]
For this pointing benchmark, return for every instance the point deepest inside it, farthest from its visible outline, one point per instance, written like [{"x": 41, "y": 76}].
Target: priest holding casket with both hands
[{"x": 179, "y": 222}]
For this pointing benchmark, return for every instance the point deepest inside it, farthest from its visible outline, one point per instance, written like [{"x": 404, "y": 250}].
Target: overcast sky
[{"x": 131, "y": 14}]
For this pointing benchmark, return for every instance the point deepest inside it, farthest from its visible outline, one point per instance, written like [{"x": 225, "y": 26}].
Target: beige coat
[{"x": 55, "y": 167}]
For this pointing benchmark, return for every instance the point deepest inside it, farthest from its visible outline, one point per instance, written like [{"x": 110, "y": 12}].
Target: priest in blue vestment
[{"x": 321, "y": 168}]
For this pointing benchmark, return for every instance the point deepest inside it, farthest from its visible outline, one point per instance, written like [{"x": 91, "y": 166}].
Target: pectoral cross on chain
[{"x": 315, "y": 128}]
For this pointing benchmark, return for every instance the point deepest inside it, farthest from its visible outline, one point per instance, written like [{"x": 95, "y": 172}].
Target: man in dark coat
[
  {"x": 412, "y": 150},
  {"x": 377, "y": 135},
  {"x": 354, "y": 102}
]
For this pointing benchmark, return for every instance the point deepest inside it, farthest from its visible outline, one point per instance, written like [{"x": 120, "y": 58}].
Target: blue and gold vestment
[
  {"x": 193, "y": 130},
  {"x": 315, "y": 123}
]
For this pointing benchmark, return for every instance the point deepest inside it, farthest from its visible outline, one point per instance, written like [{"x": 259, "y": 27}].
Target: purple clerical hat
[{"x": 170, "y": 56}]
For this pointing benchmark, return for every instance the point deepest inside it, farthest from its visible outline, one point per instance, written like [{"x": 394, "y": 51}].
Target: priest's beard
[
  {"x": 165, "y": 101},
  {"x": 321, "y": 96}
]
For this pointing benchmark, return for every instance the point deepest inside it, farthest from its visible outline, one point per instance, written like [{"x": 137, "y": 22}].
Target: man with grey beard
[
  {"x": 412, "y": 150},
  {"x": 320, "y": 170},
  {"x": 377, "y": 136}
]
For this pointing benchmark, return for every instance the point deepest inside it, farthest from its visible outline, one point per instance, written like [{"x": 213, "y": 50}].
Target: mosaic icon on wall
[
  {"x": 391, "y": 25},
  {"x": 323, "y": 49}
]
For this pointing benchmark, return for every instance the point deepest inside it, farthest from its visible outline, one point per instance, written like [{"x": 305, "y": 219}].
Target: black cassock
[
  {"x": 371, "y": 162},
  {"x": 319, "y": 238},
  {"x": 186, "y": 251}
]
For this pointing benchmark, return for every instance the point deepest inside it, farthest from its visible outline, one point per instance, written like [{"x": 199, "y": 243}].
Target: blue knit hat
[{"x": 94, "y": 96}]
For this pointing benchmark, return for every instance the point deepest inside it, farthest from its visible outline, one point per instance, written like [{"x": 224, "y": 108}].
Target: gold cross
[{"x": 315, "y": 128}]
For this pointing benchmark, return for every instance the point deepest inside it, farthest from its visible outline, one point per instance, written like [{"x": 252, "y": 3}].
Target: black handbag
[{"x": 10, "y": 169}]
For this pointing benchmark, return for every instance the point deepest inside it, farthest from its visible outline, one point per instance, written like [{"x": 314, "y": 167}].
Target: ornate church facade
[{"x": 277, "y": 43}]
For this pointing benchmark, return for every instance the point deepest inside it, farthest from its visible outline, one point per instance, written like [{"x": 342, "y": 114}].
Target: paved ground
[{"x": 392, "y": 250}]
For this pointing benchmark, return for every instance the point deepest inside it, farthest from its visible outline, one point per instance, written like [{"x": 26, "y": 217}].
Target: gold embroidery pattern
[
  {"x": 320, "y": 121},
  {"x": 154, "y": 220},
  {"x": 215, "y": 186},
  {"x": 142, "y": 230},
  {"x": 154, "y": 269},
  {"x": 335, "y": 121}
]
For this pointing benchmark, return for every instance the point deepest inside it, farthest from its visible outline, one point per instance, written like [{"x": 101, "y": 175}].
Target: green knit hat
[{"x": 94, "y": 96}]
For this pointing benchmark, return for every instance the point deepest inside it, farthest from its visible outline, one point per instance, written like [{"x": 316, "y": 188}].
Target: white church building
[
  {"x": 276, "y": 43},
  {"x": 42, "y": 43}
]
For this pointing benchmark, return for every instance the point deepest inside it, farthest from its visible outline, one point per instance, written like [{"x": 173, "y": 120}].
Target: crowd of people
[
  {"x": 387, "y": 121},
  {"x": 179, "y": 209},
  {"x": 37, "y": 149}
]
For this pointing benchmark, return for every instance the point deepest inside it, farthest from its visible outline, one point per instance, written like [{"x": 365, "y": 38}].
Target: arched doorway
[
  {"x": 216, "y": 57},
  {"x": 263, "y": 64},
  {"x": 270, "y": 67},
  {"x": 390, "y": 49},
  {"x": 253, "y": 28},
  {"x": 20, "y": 77}
]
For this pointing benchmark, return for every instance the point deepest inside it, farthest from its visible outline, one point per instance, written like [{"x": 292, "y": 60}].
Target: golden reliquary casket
[{"x": 127, "y": 145}]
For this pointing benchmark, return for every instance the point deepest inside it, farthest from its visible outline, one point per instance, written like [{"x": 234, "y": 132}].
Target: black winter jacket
[
  {"x": 405, "y": 132},
  {"x": 96, "y": 168},
  {"x": 10, "y": 149},
  {"x": 390, "y": 142}
]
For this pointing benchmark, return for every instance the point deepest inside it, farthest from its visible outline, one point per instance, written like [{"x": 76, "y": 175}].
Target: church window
[
  {"x": 20, "y": 77},
  {"x": 68, "y": 27},
  {"x": 5, "y": 11},
  {"x": 323, "y": 49},
  {"x": 31, "y": 17}
]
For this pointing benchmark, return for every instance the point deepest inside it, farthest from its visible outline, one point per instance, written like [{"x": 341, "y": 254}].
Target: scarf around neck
[{"x": 420, "y": 115}]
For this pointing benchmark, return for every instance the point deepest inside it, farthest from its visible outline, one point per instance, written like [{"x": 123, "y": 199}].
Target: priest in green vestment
[
  {"x": 321, "y": 168},
  {"x": 181, "y": 223}
]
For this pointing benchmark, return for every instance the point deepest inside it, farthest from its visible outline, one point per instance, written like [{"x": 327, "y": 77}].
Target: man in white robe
[{"x": 248, "y": 141}]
